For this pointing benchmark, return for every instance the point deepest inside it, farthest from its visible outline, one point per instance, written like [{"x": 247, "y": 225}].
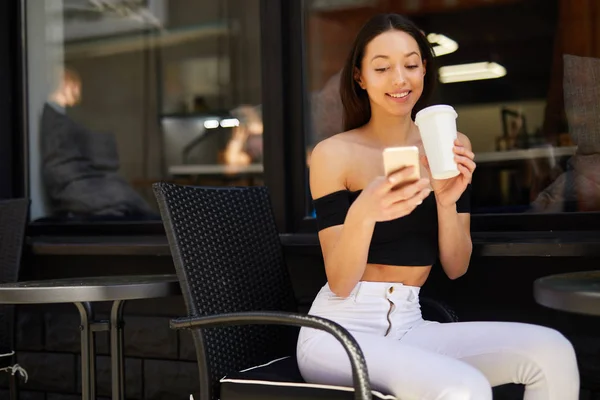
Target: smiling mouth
[{"x": 399, "y": 95}]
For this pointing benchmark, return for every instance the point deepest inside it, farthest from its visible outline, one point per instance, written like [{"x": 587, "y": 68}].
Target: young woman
[{"x": 381, "y": 235}]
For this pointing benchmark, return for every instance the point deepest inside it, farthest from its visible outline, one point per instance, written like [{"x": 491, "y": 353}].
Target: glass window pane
[
  {"x": 523, "y": 76},
  {"x": 122, "y": 94}
]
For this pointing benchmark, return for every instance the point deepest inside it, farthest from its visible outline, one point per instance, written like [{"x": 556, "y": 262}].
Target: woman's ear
[
  {"x": 424, "y": 67},
  {"x": 358, "y": 79}
]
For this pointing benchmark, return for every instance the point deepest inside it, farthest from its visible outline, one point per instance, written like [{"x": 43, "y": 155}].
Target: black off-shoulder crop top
[{"x": 411, "y": 240}]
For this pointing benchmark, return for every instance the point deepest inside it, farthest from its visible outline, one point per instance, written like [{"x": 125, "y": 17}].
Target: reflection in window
[
  {"x": 125, "y": 93},
  {"x": 523, "y": 75},
  {"x": 577, "y": 188}
]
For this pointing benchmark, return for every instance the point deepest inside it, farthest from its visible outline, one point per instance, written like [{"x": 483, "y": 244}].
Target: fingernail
[{"x": 419, "y": 202}]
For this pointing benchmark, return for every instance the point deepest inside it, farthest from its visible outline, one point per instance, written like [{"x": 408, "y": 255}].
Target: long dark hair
[{"x": 357, "y": 109}]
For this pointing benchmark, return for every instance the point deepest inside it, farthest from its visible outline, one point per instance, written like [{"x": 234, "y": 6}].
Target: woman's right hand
[{"x": 390, "y": 197}]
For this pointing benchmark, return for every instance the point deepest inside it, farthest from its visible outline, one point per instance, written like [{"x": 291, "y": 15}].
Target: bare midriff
[{"x": 407, "y": 275}]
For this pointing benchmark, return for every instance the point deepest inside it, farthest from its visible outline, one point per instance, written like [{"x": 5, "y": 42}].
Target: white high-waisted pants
[{"x": 415, "y": 359}]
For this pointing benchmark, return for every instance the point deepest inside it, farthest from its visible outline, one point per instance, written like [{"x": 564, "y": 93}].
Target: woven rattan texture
[{"x": 228, "y": 257}]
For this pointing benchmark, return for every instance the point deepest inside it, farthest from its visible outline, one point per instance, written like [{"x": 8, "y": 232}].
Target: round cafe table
[
  {"x": 83, "y": 292},
  {"x": 576, "y": 292}
]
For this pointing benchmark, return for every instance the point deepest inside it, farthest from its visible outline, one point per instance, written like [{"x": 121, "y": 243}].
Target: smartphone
[{"x": 396, "y": 158}]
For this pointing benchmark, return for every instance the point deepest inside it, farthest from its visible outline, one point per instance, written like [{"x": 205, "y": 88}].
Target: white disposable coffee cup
[{"x": 437, "y": 126}]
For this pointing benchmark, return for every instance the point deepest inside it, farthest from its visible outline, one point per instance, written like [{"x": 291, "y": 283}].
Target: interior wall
[{"x": 482, "y": 123}]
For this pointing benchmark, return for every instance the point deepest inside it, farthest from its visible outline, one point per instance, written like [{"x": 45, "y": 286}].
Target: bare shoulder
[
  {"x": 329, "y": 165},
  {"x": 332, "y": 145},
  {"x": 464, "y": 140},
  {"x": 331, "y": 152}
]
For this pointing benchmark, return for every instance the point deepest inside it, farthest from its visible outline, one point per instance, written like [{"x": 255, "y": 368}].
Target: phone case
[{"x": 395, "y": 158}]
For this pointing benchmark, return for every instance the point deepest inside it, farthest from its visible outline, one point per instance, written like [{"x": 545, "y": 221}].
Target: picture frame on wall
[{"x": 514, "y": 129}]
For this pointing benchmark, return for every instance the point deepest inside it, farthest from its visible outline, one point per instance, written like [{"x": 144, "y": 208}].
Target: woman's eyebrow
[
  {"x": 379, "y": 56},
  {"x": 387, "y": 57}
]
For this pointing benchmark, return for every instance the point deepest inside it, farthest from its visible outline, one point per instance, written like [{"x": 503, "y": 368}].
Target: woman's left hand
[{"x": 448, "y": 191}]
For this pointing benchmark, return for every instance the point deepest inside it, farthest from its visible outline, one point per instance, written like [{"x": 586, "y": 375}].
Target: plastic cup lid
[{"x": 435, "y": 109}]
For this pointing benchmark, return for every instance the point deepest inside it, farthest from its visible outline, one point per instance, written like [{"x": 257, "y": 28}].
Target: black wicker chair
[
  {"x": 229, "y": 261},
  {"x": 13, "y": 216}
]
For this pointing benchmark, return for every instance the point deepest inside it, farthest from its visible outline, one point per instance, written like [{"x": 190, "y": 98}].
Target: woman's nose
[{"x": 398, "y": 78}]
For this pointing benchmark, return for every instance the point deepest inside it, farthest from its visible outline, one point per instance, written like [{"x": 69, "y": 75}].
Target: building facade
[{"x": 100, "y": 99}]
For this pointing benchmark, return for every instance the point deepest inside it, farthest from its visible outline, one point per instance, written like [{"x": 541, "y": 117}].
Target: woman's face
[{"x": 392, "y": 72}]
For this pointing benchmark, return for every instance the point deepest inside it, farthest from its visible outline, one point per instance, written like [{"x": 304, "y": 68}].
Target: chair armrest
[
  {"x": 446, "y": 312},
  {"x": 362, "y": 386}
]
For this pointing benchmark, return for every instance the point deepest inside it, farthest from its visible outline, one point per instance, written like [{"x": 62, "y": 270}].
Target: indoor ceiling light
[
  {"x": 224, "y": 123},
  {"x": 211, "y": 123},
  {"x": 230, "y": 122},
  {"x": 471, "y": 72},
  {"x": 444, "y": 45}
]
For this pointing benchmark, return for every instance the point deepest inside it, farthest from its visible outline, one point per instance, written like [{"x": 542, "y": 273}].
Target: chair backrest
[
  {"x": 13, "y": 217},
  {"x": 228, "y": 257}
]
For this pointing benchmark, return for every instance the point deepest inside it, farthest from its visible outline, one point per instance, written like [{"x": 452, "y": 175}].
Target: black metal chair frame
[{"x": 13, "y": 218}]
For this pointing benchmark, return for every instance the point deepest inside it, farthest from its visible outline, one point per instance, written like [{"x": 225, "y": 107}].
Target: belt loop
[
  {"x": 357, "y": 291},
  {"x": 415, "y": 293}
]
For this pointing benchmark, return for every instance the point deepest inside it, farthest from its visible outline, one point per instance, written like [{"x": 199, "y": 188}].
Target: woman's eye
[
  {"x": 412, "y": 66},
  {"x": 380, "y": 69}
]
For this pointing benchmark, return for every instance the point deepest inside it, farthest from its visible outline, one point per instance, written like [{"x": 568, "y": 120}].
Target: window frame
[
  {"x": 284, "y": 113},
  {"x": 285, "y": 123},
  {"x": 302, "y": 223},
  {"x": 13, "y": 85},
  {"x": 13, "y": 158}
]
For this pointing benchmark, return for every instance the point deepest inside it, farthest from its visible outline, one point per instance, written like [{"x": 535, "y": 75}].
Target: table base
[{"x": 89, "y": 326}]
